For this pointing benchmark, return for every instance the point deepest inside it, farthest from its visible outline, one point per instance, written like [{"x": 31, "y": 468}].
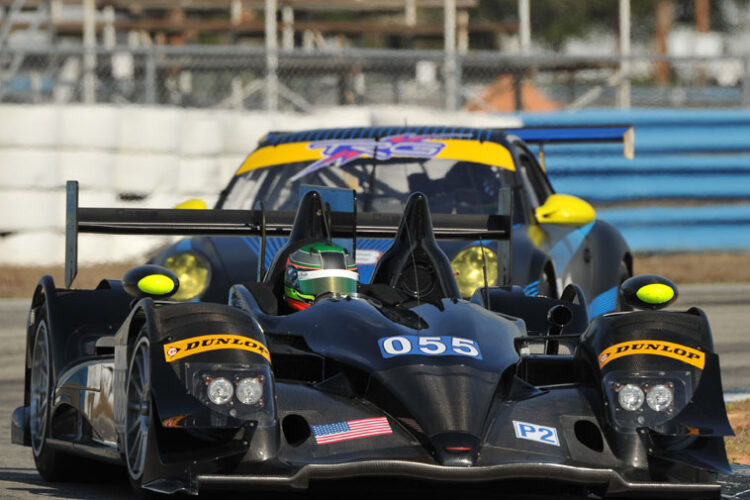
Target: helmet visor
[{"x": 337, "y": 281}]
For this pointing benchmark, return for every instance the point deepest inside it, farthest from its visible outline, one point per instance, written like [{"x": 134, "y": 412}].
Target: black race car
[
  {"x": 557, "y": 238},
  {"x": 404, "y": 378}
]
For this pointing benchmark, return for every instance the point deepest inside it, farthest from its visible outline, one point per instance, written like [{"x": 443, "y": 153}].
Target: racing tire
[
  {"x": 53, "y": 465},
  {"x": 138, "y": 416},
  {"x": 546, "y": 286},
  {"x": 622, "y": 274}
]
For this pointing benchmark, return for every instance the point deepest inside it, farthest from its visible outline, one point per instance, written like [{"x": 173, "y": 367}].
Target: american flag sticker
[{"x": 351, "y": 429}]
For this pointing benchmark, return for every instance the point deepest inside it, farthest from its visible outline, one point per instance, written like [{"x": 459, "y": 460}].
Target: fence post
[
  {"x": 90, "y": 56},
  {"x": 623, "y": 96},
  {"x": 150, "y": 76},
  {"x": 272, "y": 57},
  {"x": 450, "y": 65},
  {"x": 746, "y": 84}
]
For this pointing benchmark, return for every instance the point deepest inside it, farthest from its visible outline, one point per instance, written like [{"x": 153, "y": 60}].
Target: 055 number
[{"x": 401, "y": 345}]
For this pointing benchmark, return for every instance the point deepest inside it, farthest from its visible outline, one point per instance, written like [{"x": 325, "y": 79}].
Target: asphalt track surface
[{"x": 727, "y": 307}]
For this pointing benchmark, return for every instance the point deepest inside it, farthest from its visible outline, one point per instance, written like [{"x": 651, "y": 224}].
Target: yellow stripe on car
[
  {"x": 486, "y": 152},
  {"x": 204, "y": 343},
  {"x": 653, "y": 347}
]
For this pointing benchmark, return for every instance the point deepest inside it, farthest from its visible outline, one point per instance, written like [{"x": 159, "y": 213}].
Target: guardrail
[{"x": 688, "y": 188}]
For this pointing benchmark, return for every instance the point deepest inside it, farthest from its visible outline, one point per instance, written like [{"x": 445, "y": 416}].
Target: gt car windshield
[{"x": 382, "y": 186}]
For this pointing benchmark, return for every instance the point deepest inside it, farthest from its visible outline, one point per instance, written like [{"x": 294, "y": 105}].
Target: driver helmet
[{"x": 316, "y": 269}]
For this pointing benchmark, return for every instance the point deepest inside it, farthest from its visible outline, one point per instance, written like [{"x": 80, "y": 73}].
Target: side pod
[{"x": 660, "y": 380}]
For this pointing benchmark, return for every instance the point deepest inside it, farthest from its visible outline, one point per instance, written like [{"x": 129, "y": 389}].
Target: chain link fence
[{"x": 251, "y": 78}]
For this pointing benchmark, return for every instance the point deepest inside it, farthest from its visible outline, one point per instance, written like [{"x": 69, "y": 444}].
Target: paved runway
[{"x": 727, "y": 306}]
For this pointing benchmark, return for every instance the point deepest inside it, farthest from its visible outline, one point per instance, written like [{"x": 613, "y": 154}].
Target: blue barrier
[
  {"x": 681, "y": 155},
  {"x": 680, "y": 228}
]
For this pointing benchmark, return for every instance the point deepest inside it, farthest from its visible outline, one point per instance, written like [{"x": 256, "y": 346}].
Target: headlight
[
  {"x": 192, "y": 270},
  {"x": 468, "y": 266},
  {"x": 646, "y": 399},
  {"x": 220, "y": 391},
  {"x": 250, "y": 390},
  {"x": 630, "y": 397},
  {"x": 660, "y": 397}
]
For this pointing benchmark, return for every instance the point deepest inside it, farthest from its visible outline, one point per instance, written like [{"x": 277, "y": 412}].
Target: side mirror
[
  {"x": 192, "y": 205},
  {"x": 150, "y": 281},
  {"x": 648, "y": 291},
  {"x": 565, "y": 209}
]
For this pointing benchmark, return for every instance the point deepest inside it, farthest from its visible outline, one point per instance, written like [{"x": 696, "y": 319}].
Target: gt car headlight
[
  {"x": 220, "y": 391},
  {"x": 192, "y": 270},
  {"x": 468, "y": 266},
  {"x": 630, "y": 397},
  {"x": 249, "y": 390},
  {"x": 659, "y": 397}
]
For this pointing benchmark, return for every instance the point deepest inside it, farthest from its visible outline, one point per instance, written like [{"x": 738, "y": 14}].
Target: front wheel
[
  {"x": 546, "y": 286},
  {"x": 138, "y": 416},
  {"x": 52, "y": 464}
]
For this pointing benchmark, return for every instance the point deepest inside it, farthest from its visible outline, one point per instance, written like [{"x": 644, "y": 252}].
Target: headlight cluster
[
  {"x": 645, "y": 399},
  {"x": 468, "y": 266},
  {"x": 222, "y": 391},
  {"x": 234, "y": 390},
  {"x": 659, "y": 397},
  {"x": 192, "y": 270}
]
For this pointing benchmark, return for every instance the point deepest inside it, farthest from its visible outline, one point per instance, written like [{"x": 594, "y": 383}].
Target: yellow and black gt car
[{"x": 557, "y": 239}]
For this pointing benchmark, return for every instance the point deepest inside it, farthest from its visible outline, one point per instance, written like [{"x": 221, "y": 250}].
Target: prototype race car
[
  {"x": 557, "y": 239},
  {"x": 403, "y": 378}
]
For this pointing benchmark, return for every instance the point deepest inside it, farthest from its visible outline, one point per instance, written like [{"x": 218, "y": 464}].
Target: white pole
[
  {"x": 89, "y": 44},
  {"x": 272, "y": 57},
  {"x": 109, "y": 36},
  {"x": 524, "y": 25},
  {"x": 451, "y": 80},
  {"x": 287, "y": 27},
  {"x": 410, "y": 12},
  {"x": 623, "y": 97}
]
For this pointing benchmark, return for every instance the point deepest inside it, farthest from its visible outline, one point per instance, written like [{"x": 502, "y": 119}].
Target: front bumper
[{"x": 607, "y": 480}]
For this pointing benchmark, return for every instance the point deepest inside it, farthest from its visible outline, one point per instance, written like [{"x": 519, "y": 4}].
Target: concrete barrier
[{"x": 29, "y": 126}]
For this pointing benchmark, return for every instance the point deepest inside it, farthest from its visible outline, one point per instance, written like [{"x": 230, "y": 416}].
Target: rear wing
[
  {"x": 264, "y": 223},
  {"x": 579, "y": 134}
]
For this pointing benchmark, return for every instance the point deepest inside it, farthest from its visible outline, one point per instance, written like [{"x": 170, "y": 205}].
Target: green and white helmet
[{"x": 316, "y": 269}]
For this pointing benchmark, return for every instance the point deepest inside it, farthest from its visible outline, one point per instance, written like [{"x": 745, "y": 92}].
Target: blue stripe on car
[
  {"x": 564, "y": 250},
  {"x": 532, "y": 289},
  {"x": 184, "y": 245},
  {"x": 604, "y": 302}
]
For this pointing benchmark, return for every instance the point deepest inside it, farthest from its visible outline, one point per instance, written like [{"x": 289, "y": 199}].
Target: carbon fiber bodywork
[{"x": 379, "y": 384}]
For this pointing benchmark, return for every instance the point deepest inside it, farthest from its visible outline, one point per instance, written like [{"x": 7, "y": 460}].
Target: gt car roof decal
[
  {"x": 276, "y": 138},
  {"x": 486, "y": 152}
]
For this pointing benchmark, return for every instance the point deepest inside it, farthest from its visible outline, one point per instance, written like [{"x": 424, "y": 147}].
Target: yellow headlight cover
[
  {"x": 192, "y": 271},
  {"x": 467, "y": 265}
]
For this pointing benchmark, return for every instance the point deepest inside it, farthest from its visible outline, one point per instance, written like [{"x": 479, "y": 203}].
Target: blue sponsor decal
[
  {"x": 401, "y": 345},
  {"x": 538, "y": 433},
  {"x": 338, "y": 152}
]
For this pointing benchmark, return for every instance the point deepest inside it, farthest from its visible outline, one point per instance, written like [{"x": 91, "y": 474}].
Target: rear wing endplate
[
  {"x": 255, "y": 222},
  {"x": 563, "y": 135}
]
